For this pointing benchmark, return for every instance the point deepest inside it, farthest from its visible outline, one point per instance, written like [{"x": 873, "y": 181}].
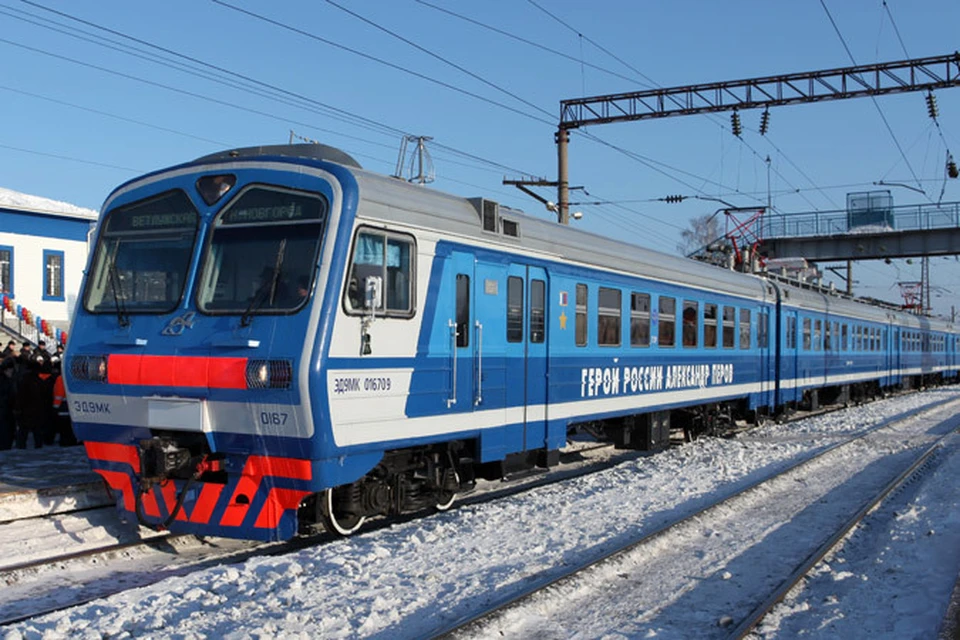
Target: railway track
[
  {"x": 163, "y": 555},
  {"x": 103, "y": 572},
  {"x": 565, "y": 598}
]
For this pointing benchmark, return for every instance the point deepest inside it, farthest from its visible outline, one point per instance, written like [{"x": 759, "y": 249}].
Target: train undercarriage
[{"x": 405, "y": 481}]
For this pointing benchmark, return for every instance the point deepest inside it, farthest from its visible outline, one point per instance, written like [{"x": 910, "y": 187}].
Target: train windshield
[
  {"x": 143, "y": 256},
  {"x": 263, "y": 253}
]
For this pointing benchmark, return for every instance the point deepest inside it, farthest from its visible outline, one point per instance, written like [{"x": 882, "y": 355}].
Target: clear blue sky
[{"x": 82, "y": 114}]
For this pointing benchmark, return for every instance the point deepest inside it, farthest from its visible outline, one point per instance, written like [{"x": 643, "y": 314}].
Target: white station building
[{"x": 43, "y": 252}]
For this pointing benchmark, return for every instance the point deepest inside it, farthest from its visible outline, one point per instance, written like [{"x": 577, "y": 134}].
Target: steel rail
[
  {"x": 755, "y": 616},
  {"x": 473, "y": 621}
]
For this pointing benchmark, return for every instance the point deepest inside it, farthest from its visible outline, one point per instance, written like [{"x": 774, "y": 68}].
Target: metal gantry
[{"x": 920, "y": 74}]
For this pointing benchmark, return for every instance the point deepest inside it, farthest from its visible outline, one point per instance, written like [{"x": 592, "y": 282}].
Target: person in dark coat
[
  {"x": 34, "y": 406},
  {"x": 8, "y": 423},
  {"x": 41, "y": 354}
]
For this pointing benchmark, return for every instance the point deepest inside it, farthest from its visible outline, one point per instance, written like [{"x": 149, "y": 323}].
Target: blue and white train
[{"x": 272, "y": 338}]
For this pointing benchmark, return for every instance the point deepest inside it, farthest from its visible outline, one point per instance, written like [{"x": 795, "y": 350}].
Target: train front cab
[{"x": 190, "y": 358}]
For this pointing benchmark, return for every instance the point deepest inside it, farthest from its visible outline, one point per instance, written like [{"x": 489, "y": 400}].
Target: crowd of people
[{"x": 32, "y": 398}]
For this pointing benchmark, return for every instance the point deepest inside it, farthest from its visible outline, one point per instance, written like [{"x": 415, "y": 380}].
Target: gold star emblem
[{"x": 563, "y": 320}]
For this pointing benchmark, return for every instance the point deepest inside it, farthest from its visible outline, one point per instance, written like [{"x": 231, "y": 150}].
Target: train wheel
[
  {"x": 445, "y": 499},
  {"x": 343, "y": 524}
]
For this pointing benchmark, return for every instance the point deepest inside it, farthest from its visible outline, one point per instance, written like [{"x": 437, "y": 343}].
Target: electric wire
[
  {"x": 72, "y": 159},
  {"x": 372, "y": 58},
  {"x": 873, "y": 99},
  {"x": 114, "y": 116},
  {"x": 651, "y": 83},
  {"x": 301, "y": 101},
  {"x": 526, "y": 41},
  {"x": 438, "y": 57}
]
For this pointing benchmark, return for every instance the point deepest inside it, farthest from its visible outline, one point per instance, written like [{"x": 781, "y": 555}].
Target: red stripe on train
[{"x": 177, "y": 371}]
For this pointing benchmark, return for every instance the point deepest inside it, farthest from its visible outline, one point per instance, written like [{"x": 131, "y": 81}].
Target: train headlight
[
  {"x": 89, "y": 368},
  {"x": 269, "y": 374}
]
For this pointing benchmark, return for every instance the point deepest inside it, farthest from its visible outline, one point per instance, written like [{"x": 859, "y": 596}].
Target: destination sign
[
  {"x": 259, "y": 206},
  {"x": 172, "y": 210}
]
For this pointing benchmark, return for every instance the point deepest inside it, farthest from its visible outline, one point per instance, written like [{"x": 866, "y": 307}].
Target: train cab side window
[
  {"x": 791, "y": 333},
  {"x": 389, "y": 257},
  {"x": 666, "y": 334},
  {"x": 691, "y": 314},
  {"x": 608, "y": 317},
  {"x": 639, "y": 319},
  {"x": 463, "y": 310},
  {"x": 744, "y": 328},
  {"x": 710, "y": 325},
  {"x": 843, "y": 337},
  {"x": 817, "y": 332},
  {"x": 514, "y": 309},
  {"x": 729, "y": 327},
  {"x": 538, "y": 301},
  {"x": 581, "y": 328},
  {"x": 806, "y": 334}
]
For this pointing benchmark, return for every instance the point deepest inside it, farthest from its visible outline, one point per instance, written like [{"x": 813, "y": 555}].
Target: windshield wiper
[
  {"x": 122, "y": 318},
  {"x": 267, "y": 289}
]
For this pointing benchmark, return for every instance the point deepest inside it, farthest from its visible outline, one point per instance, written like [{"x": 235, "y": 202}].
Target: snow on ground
[
  {"x": 900, "y": 563},
  {"x": 400, "y": 582}
]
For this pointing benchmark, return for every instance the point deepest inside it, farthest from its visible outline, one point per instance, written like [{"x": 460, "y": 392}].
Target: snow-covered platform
[{"x": 35, "y": 482}]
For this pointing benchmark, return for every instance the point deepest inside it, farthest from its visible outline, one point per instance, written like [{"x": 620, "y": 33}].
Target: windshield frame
[
  {"x": 215, "y": 225},
  {"x": 108, "y": 241}
]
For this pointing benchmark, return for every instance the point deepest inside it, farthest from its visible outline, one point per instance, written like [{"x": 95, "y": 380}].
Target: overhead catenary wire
[
  {"x": 873, "y": 99},
  {"x": 299, "y": 100}
]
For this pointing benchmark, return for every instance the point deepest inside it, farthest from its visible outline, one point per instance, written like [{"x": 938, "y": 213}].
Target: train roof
[{"x": 395, "y": 200}]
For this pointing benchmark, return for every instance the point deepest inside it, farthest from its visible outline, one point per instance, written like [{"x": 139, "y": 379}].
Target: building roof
[{"x": 10, "y": 199}]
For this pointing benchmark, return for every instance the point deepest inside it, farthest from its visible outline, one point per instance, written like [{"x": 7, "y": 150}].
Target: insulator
[
  {"x": 673, "y": 199},
  {"x": 764, "y": 122},
  {"x": 932, "y": 109},
  {"x": 735, "y": 124},
  {"x": 952, "y": 170}
]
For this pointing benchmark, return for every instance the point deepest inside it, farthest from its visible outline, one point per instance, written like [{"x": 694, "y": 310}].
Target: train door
[
  {"x": 790, "y": 364},
  {"x": 767, "y": 363},
  {"x": 896, "y": 363},
  {"x": 462, "y": 334},
  {"x": 526, "y": 355}
]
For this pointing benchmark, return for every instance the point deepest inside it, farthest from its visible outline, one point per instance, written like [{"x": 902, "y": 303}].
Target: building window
[
  {"x": 608, "y": 317},
  {"x": 53, "y": 275},
  {"x": 690, "y": 328},
  {"x": 514, "y": 309},
  {"x": 581, "y": 330},
  {"x": 6, "y": 270},
  {"x": 639, "y": 319},
  {"x": 667, "y": 321}
]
